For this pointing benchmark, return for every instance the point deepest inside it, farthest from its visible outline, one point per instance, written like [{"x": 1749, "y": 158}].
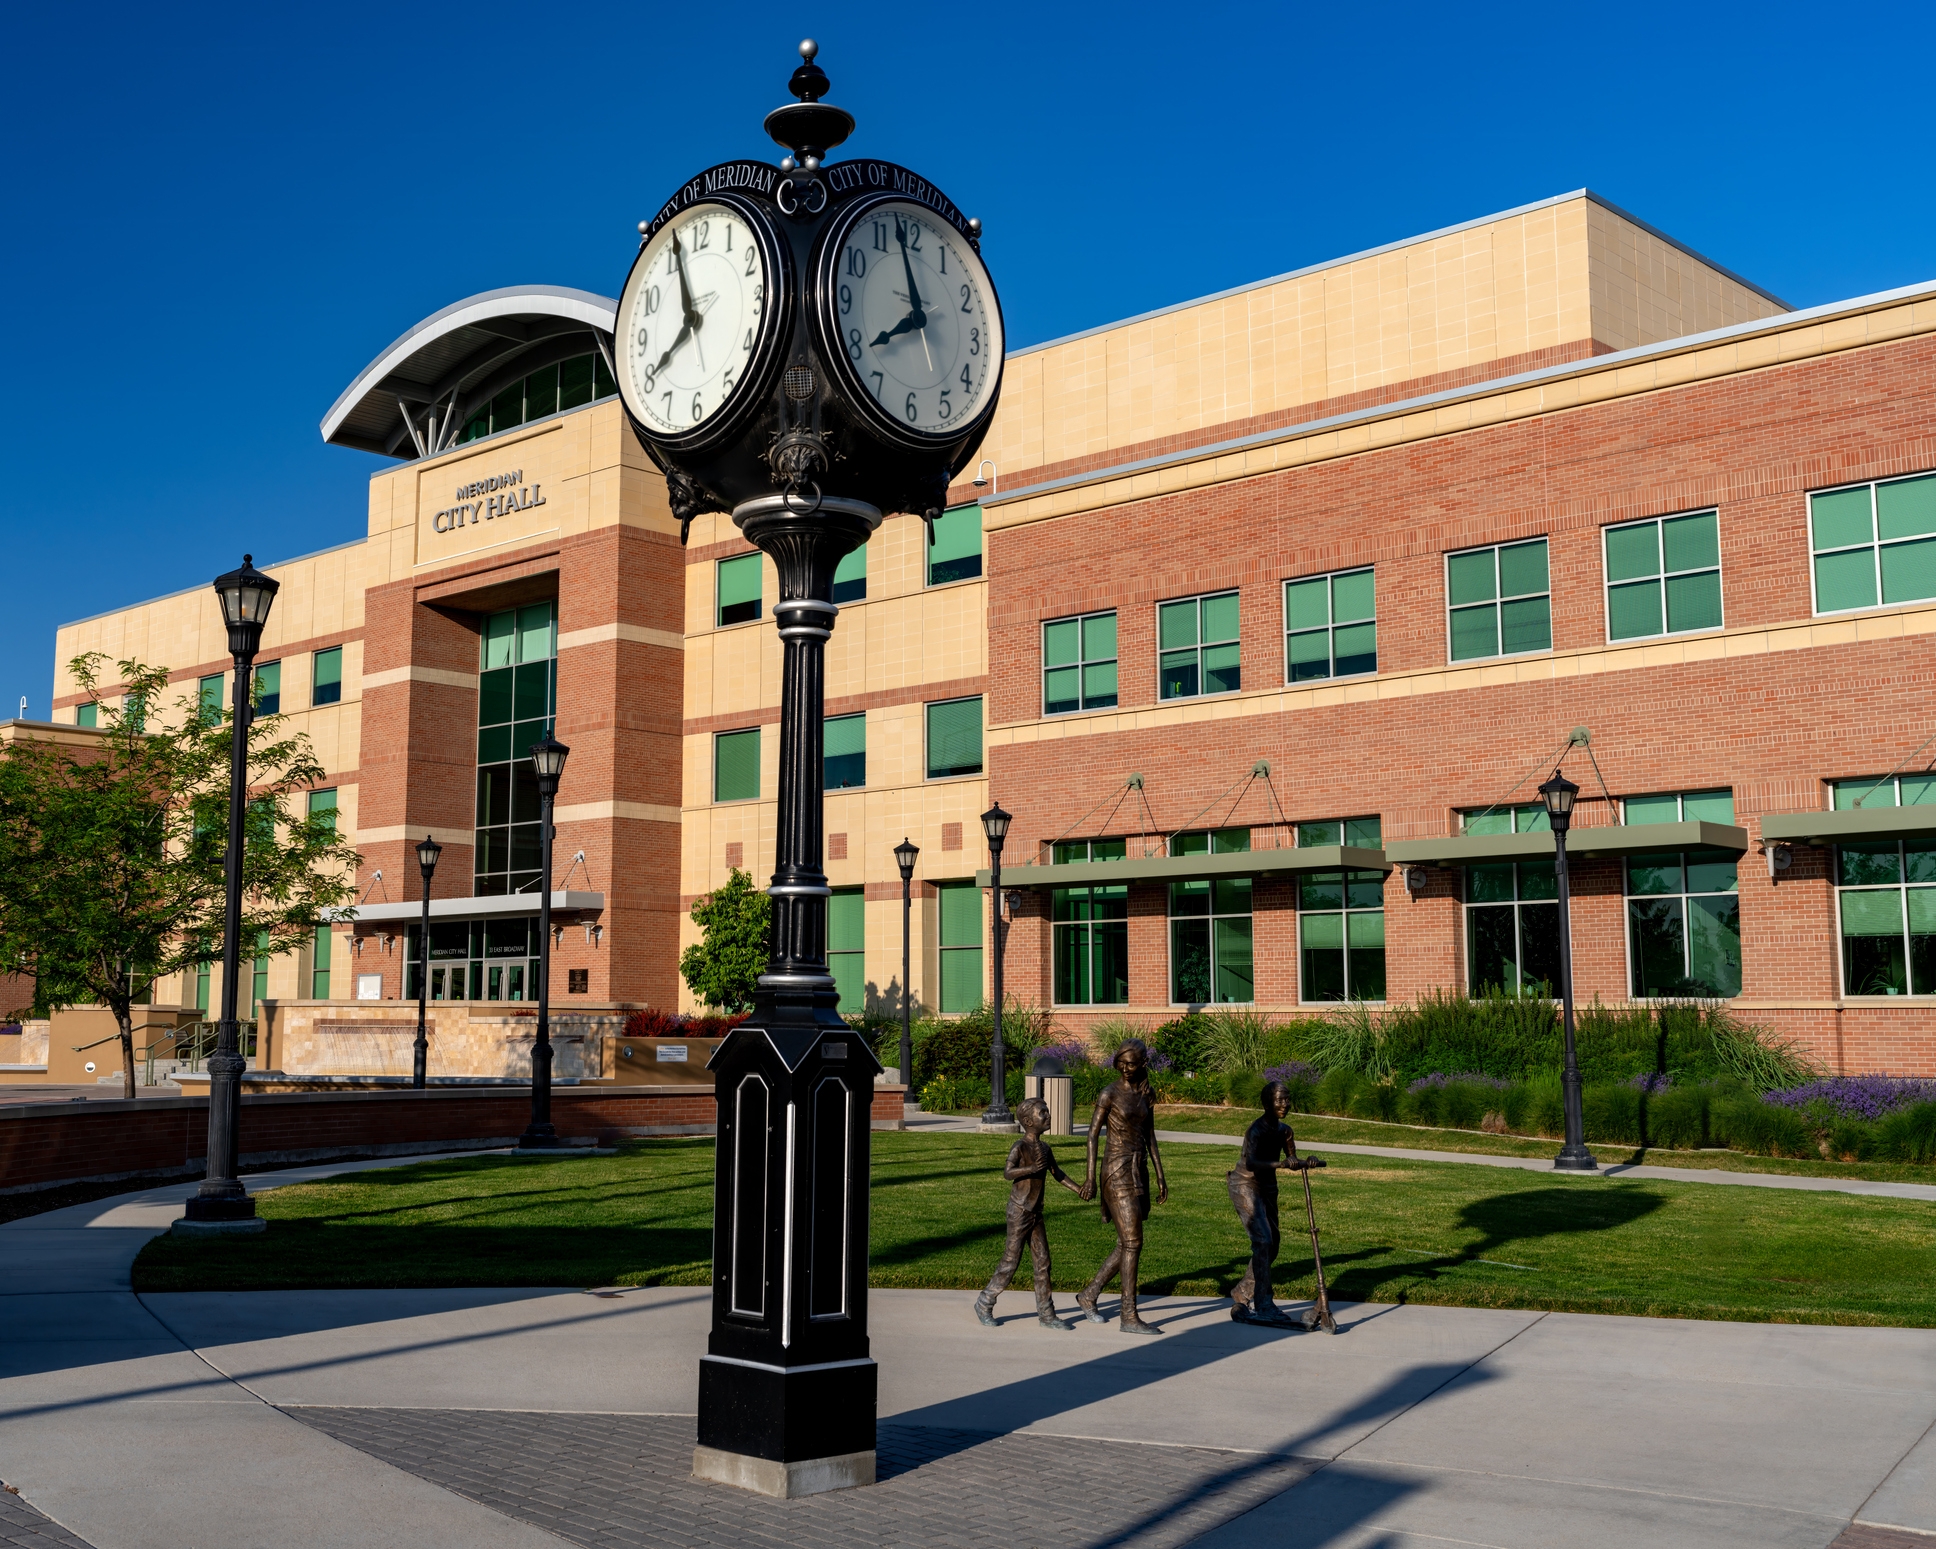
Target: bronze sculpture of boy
[
  {"x": 1030, "y": 1163},
  {"x": 1127, "y": 1114},
  {"x": 1269, "y": 1148}
]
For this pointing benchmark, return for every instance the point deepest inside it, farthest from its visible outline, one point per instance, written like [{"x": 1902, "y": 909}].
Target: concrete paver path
[{"x": 527, "y": 1418}]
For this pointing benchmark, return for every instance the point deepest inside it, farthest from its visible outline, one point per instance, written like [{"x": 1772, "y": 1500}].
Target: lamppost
[
  {"x": 221, "y": 1203},
  {"x": 1558, "y": 793},
  {"x": 548, "y": 759},
  {"x": 905, "y": 854},
  {"x": 427, "y": 853},
  {"x": 996, "y": 1119}
]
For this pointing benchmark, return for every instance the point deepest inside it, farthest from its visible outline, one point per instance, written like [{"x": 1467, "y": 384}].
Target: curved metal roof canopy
[{"x": 413, "y": 398}]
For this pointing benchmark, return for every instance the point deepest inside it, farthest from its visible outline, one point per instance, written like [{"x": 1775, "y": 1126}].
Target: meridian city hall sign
[{"x": 805, "y": 347}]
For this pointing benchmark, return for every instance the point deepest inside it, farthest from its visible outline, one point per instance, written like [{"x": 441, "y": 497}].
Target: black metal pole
[
  {"x": 222, "y": 1196},
  {"x": 907, "y": 992},
  {"x": 420, "y": 1051},
  {"x": 996, "y": 1116},
  {"x": 1574, "y": 1156},
  {"x": 540, "y": 1135}
]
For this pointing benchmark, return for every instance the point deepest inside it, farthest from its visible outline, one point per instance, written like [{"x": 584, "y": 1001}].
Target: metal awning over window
[
  {"x": 1187, "y": 868},
  {"x": 1618, "y": 839},
  {"x": 470, "y": 908},
  {"x": 1850, "y": 826}
]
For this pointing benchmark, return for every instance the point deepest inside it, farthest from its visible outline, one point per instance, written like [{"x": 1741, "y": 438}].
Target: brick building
[{"x": 1265, "y": 615}]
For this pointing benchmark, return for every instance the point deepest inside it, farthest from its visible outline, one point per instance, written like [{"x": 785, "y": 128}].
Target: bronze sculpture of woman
[{"x": 1126, "y": 1112}]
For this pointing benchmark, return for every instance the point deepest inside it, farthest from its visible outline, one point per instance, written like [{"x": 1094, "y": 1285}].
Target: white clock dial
[
  {"x": 690, "y": 318},
  {"x": 916, "y": 317}
]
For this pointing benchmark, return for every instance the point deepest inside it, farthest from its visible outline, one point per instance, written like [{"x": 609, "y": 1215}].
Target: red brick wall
[{"x": 1771, "y": 726}]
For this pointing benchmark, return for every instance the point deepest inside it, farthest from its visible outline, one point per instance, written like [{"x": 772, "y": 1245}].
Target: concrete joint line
[
  {"x": 1890, "y": 1474},
  {"x": 1423, "y": 1397}
]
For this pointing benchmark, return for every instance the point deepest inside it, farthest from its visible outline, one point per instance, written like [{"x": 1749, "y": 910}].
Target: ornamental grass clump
[{"x": 1233, "y": 1039}]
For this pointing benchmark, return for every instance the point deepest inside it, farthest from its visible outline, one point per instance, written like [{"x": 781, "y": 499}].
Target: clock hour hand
[
  {"x": 911, "y": 321},
  {"x": 665, "y": 360}
]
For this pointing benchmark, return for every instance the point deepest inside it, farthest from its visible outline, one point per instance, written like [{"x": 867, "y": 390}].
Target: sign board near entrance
[{"x": 501, "y": 495}]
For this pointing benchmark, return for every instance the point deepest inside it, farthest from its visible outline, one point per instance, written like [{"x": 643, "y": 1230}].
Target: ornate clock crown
[{"x": 809, "y": 128}]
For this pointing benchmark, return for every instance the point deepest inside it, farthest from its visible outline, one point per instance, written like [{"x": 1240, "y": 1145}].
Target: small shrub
[
  {"x": 1375, "y": 1100},
  {"x": 1173, "y": 1087},
  {"x": 1233, "y": 1038},
  {"x": 1536, "y": 1107},
  {"x": 1244, "y": 1088},
  {"x": 1612, "y": 1111},
  {"x": 1746, "y": 1123},
  {"x": 1851, "y": 1140},
  {"x": 1677, "y": 1118},
  {"x": 711, "y": 1025},
  {"x": 656, "y": 1024},
  {"x": 1338, "y": 1090},
  {"x": 1071, "y": 1052},
  {"x": 1300, "y": 1083},
  {"x": 1087, "y": 1081},
  {"x": 1182, "y": 1042},
  {"x": 1908, "y": 1135},
  {"x": 1466, "y": 1102}
]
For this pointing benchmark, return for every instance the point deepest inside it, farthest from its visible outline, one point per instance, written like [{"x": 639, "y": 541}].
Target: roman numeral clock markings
[
  {"x": 690, "y": 317},
  {"x": 914, "y": 317}
]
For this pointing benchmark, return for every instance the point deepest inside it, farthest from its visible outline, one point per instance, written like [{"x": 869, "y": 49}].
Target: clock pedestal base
[{"x": 785, "y": 1432}]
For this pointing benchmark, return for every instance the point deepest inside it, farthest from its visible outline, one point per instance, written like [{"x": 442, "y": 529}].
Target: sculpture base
[
  {"x": 787, "y": 1481},
  {"x": 998, "y": 1128},
  {"x": 786, "y": 1431},
  {"x": 190, "y": 1227},
  {"x": 223, "y": 1208}
]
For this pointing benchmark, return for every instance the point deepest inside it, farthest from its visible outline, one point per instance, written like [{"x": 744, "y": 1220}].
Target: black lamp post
[
  {"x": 905, "y": 854},
  {"x": 996, "y": 1119},
  {"x": 548, "y": 759},
  {"x": 1559, "y": 793},
  {"x": 221, "y": 1203},
  {"x": 427, "y": 853}
]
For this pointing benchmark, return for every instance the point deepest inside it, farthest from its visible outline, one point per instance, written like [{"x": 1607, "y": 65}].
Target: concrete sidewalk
[
  {"x": 427, "y": 1418},
  {"x": 948, "y": 1124}
]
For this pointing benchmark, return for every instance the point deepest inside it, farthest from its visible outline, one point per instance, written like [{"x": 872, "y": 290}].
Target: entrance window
[
  {"x": 517, "y": 694},
  {"x": 1886, "y": 903},
  {"x": 1210, "y": 942},
  {"x": 1684, "y": 924},
  {"x": 476, "y": 959},
  {"x": 960, "y": 946},
  {"x": 1341, "y": 935},
  {"x": 1512, "y": 927}
]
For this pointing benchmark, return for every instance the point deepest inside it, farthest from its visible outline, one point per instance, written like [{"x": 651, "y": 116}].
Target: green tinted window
[
  {"x": 850, "y": 577},
  {"x": 499, "y": 639},
  {"x": 1909, "y": 790},
  {"x": 1198, "y": 649},
  {"x": 956, "y": 552},
  {"x": 1211, "y": 946},
  {"x": 322, "y": 805},
  {"x": 569, "y": 384},
  {"x": 1681, "y": 807},
  {"x": 208, "y": 697},
  {"x": 1498, "y": 601},
  {"x": 1874, "y": 543},
  {"x": 1663, "y": 576},
  {"x": 268, "y": 688},
  {"x": 739, "y": 581},
  {"x": 1512, "y": 928},
  {"x": 954, "y": 738},
  {"x": 326, "y": 677},
  {"x": 1684, "y": 923},
  {"x": 847, "y": 947},
  {"x": 736, "y": 765},
  {"x": 1079, "y": 664},
  {"x": 844, "y": 752},
  {"x": 1330, "y": 626},
  {"x": 1528, "y": 818},
  {"x": 319, "y": 959},
  {"x": 960, "y": 930}
]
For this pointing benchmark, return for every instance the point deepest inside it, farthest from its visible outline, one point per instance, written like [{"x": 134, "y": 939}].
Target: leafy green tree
[
  {"x": 112, "y": 854},
  {"x": 723, "y": 967}
]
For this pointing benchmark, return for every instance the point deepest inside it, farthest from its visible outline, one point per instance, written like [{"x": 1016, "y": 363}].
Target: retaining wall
[{"x": 45, "y": 1144}]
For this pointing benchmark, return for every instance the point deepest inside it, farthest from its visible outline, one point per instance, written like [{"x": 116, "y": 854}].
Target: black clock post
[{"x": 784, "y": 423}]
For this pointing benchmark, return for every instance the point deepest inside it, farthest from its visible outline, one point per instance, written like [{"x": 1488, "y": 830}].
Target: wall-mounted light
[
  {"x": 988, "y": 474},
  {"x": 593, "y": 933}
]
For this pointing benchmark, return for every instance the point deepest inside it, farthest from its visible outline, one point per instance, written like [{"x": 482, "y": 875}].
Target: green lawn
[
  {"x": 1370, "y": 1132},
  {"x": 1393, "y": 1231}
]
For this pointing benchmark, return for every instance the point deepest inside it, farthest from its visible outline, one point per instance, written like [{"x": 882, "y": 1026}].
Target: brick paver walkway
[
  {"x": 615, "y": 1481},
  {"x": 21, "y": 1527}
]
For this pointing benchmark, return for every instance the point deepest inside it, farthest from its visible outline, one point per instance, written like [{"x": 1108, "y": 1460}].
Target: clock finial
[{"x": 809, "y": 127}]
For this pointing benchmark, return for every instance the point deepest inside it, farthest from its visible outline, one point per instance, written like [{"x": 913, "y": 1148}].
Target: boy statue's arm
[
  {"x": 1055, "y": 1170},
  {"x": 1023, "y": 1163}
]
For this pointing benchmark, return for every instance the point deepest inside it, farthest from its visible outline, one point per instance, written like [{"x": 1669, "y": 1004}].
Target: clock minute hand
[{"x": 917, "y": 315}]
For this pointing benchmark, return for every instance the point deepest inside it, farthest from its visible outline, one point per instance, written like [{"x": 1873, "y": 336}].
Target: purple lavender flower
[
  {"x": 1291, "y": 1070},
  {"x": 1439, "y": 1080},
  {"x": 1158, "y": 1060},
  {"x": 1652, "y": 1082},
  {"x": 1072, "y": 1052},
  {"x": 1857, "y": 1097}
]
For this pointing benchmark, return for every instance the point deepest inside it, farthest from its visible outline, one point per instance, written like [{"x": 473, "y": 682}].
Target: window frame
[
  {"x": 1901, "y": 887},
  {"x": 928, "y": 707},
  {"x": 1607, "y": 583},
  {"x": 825, "y": 723},
  {"x": 719, "y": 577},
  {"x": 981, "y": 549},
  {"x": 1874, "y": 545},
  {"x": 1628, "y": 896},
  {"x": 1518, "y": 904},
  {"x": 848, "y": 893},
  {"x": 944, "y": 889},
  {"x": 759, "y": 751},
  {"x": 1171, "y": 919},
  {"x": 1199, "y": 599},
  {"x": 316, "y": 687},
  {"x": 1344, "y": 911},
  {"x": 1498, "y": 601},
  {"x": 211, "y": 714},
  {"x": 1331, "y": 627},
  {"x": 256, "y": 692},
  {"x": 1082, "y": 662}
]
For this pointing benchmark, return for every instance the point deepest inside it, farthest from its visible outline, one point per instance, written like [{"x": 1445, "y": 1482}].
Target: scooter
[{"x": 1320, "y": 1314}]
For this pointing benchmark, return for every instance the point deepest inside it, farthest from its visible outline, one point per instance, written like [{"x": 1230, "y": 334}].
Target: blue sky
[{"x": 221, "y": 213}]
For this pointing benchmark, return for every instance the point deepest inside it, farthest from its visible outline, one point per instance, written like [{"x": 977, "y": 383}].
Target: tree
[
  {"x": 723, "y": 967},
  {"x": 112, "y": 855}
]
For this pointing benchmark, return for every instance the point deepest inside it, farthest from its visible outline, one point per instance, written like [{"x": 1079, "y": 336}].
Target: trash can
[{"x": 1046, "y": 1080}]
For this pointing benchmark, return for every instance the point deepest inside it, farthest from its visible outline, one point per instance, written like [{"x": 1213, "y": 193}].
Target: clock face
[
  {"x": 916, "y": 318},
  {"x": 691, "y": 319}
]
